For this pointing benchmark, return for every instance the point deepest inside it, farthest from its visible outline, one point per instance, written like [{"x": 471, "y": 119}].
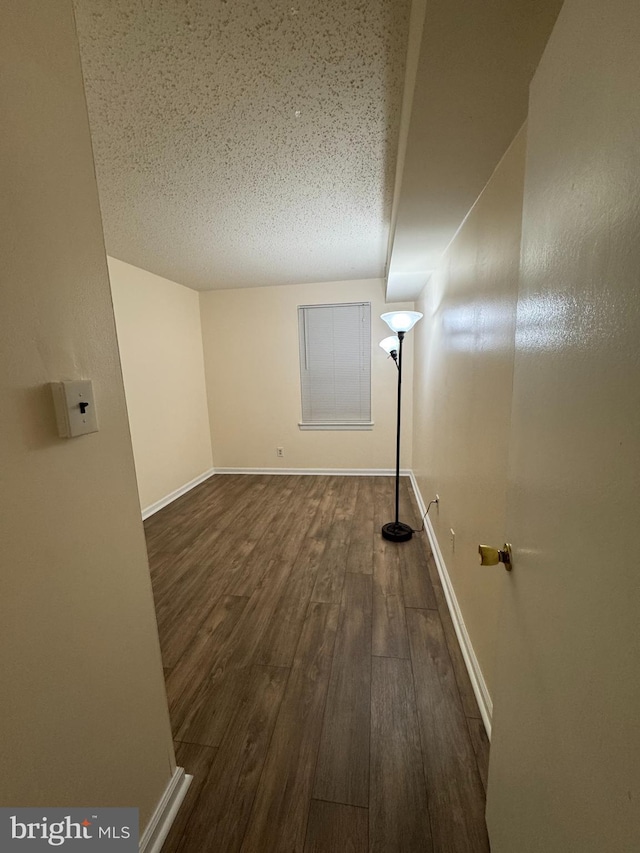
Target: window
[{"x": 335, "y": 365}]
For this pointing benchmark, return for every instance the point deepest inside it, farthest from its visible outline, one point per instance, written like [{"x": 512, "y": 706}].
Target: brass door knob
[{"x": 492, "y": 556}]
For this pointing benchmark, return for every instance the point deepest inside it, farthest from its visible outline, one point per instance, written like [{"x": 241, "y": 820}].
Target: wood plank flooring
[{"x": 316, "y": 688}]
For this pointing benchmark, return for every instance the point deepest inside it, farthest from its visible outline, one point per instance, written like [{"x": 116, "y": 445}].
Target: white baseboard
[
  {"x": 165, "y": 501},
  {"x": 319, "y": 472},
  {"x": 165, "y": 813},
  {"x": 471, "y": 661}
]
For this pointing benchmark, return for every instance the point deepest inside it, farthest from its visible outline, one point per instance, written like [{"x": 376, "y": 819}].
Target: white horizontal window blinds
[{"x": 335, "y": 363}]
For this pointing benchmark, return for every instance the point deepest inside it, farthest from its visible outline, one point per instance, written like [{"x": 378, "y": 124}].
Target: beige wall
[
  {"x": 464, "y": 350},
  {"x": 160, "y": 340},
  {"x": 82, "y": 708},
  {"x": 250, "y": 341},
  {"x": 564, "y": 775}
]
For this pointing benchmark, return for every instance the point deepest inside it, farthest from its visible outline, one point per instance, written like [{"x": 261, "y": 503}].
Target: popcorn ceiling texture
[{"x": 242, "y": 143}]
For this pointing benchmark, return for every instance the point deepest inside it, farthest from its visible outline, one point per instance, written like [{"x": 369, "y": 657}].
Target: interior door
[{"x": 565, "y": 755}]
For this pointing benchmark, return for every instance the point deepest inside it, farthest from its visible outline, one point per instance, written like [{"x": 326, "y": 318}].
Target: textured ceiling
[{"x": 245, "y": 143}]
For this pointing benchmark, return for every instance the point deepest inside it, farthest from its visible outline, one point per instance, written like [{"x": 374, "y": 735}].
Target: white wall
[
  {"x": 160, "y": 341},
  {"x": 464, "y": 351},
  {"x": 83, "y": 705},
  {"x": 250, "y": 341}
]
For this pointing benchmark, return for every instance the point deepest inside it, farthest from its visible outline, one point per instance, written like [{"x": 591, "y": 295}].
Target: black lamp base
[{"x": 396, "y": 531}]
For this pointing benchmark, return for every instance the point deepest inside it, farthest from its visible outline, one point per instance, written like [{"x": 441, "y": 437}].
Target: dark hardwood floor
[{"x": 317, "y": 691}]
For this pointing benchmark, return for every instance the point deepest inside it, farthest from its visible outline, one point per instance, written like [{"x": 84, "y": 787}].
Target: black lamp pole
[{"x": 396, "y": 531}]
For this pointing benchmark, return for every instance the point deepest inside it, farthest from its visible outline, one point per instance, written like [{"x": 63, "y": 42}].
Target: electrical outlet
[
  {"x": 452, "y": 536},
  {"x": 280, "y": 452}
]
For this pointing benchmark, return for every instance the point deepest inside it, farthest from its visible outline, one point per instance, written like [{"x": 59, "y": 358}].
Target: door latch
[{"x": 492, "y": 556}]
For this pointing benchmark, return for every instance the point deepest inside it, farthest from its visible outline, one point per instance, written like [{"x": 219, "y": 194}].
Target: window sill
[{"x": 337, "y": 425}]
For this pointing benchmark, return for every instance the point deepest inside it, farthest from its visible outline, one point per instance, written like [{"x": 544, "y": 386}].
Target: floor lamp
[{"x": 400, "y": 322}]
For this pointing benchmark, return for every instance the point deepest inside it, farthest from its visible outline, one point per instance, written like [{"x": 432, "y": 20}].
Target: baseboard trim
[
  {"x": 319, "y": 472},
  {"x": 165, "y": 813},
  {"x": 165, "y": 501},
  {"x": 471, "y": 661}
]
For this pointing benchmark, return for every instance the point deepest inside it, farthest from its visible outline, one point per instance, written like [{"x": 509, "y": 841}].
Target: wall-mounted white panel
[{"x": 75, "y": 407}]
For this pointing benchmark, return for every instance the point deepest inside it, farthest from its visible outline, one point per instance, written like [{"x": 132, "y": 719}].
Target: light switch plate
[{"x": 75, "y": 407}]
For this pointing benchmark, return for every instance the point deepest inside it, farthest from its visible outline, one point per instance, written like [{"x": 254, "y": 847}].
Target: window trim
[
  {"x": 337, "y": 425},
  {"x": 334, "y": 424}
]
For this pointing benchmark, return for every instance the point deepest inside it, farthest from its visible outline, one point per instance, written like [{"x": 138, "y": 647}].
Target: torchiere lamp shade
[
  {"x": 390, "y": 344},
  {"x": 401, "y": 321}
]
